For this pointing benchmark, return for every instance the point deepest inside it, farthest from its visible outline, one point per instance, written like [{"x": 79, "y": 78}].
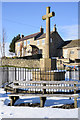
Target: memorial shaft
[
  {"x": 47, "y": 17},
  {"x": 47, "y": 33}
]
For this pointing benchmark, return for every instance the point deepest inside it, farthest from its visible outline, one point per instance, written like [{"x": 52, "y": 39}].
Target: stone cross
[{"x": 47, "y": 17}]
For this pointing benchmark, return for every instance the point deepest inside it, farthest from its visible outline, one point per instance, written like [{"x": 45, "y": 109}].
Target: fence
[
  {"x": 9, "y": 74},
  {"x": 3, "y": 75}
]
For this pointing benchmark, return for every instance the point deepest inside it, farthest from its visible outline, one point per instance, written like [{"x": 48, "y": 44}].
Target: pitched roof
[
  {"x": 70, "y": 43},
  {"x": 42, "y": 36},
  {"x": 35, "y": 35},
  {"x": 38, "y": 35},
  {"x": 64, "y": 44}
]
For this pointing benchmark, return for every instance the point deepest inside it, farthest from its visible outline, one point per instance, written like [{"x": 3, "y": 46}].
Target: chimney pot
[
  {"x": 54, "y": 29},
  {"x": 22, "y": 36},
  {"x": 41, "y": 30}
]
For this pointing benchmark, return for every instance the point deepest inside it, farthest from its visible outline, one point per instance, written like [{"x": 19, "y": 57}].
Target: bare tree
[
  {"x": 0, "y": 47},
  {"x": 3, "y": 42},
  {"x": 0, "y": 51}
]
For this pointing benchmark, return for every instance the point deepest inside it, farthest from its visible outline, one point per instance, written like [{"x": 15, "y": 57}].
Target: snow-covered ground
[{"x": 35, "y": 112}]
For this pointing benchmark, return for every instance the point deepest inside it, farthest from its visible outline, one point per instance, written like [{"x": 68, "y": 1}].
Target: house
[
  {"x": 70, "y": 49},
  {"x": 71, "y": 54},
  {"x": 34, "y": 44}
]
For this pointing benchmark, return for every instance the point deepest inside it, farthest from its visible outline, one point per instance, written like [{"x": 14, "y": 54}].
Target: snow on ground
[{"x": 35, "y": 112}]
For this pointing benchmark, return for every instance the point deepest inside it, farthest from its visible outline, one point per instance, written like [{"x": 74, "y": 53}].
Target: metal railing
[{"x": 10, "y": 74}]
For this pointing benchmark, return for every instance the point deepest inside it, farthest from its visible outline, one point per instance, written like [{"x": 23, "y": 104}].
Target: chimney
[
  {"x": 22, "y": 36},
  {"x": 41, "y": 30},
  {"x": 54, "y": 29}
]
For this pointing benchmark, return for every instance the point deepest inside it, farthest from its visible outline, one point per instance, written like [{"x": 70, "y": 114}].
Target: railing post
[
  {"x": 40, "y": 74},
  {"x": 35, "y": 74},
  {"x": 70, "y": 74},
  {"x": 74, "y": 89},
  {"x": 7, "y": 74},
  {"x": 18, "y": 74},
  {"x": 25, "y": 74},
  {"x": 15, "y": 73},
  {"x": 44, "y": 90}
]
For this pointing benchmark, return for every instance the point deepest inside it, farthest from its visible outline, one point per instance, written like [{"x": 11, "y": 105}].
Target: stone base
[
  {"x": 48, "y": 75},
  {"x": 45, "y": 64}
]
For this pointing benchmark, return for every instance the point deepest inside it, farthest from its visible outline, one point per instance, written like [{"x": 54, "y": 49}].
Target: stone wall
[
  {"x": 61, "y": 62},
  {"x": 21, "y": 63}
]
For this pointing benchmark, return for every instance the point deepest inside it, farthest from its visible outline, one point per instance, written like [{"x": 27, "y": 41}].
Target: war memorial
[{"x": 43, "y": 81}]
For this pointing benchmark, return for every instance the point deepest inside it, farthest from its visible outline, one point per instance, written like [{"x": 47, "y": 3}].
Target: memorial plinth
[
  {"x": 48, "y": 75},
  {"x": 45, "y": 64}
]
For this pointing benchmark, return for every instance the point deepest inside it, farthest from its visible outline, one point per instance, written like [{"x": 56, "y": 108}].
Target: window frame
[
  {"x": 51, "y": 40},
  {"x": 37, "y": 42},
  {"x": 72, "y": 52},
  {"x": 43, "y": 43}
]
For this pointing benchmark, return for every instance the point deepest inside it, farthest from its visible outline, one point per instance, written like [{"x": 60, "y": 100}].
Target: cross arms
[{"x": 48, "y": 15}]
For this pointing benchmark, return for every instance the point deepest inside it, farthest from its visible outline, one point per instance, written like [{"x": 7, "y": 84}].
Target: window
[
  {"x": 40, "y": 51},
  {"x": 37, "y": 42},
  {"x": 18, "y": 44},
  {"x": 71, "y": 52},
  {"x": 28, "y": 42},
  {"x": 19, "y": 53},
  {"x": 24, "y": 43},
  {"x": 50, "y": 40},
  {"x": 43, "y": 41}
]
